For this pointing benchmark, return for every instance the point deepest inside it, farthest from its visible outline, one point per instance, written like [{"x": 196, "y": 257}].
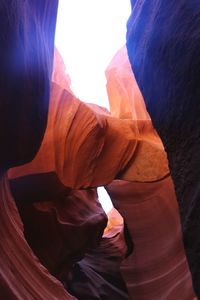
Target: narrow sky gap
[{"x": 88, "y": 35}]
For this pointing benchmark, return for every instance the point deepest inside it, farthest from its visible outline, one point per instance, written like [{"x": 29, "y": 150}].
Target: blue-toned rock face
[
  {"x": 26, "y": 57},
  {"x": 163, "y": 43}
]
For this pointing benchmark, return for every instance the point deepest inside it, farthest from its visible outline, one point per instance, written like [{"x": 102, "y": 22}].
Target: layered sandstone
[
  {"x": 63, "y": 246},
  {"x": 163, "y": 41}
]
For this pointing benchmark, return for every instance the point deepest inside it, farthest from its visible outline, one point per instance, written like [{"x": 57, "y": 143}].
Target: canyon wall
[
  {"x": 163, "y": 41},
  {"x": 56, "y": 240}
]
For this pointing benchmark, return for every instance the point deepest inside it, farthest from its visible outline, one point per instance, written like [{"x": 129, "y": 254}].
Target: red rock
[
  {"x": 21, "y": 274},
  {"x": 26, "y": 56},
  {"x": 82, "y": 138},
  {"x": 74, "y": 219},
  {"x": 163, "y": 41},
  {"x": 125, "y": 98},
  {"x": 86, "y": 147},
  {"x": 157, "y": 268}
]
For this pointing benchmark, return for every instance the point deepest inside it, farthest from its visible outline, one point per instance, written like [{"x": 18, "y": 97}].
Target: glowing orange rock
[
  {"x": 86, "y": 146},
  {"x": 85, "y": 139},
  {"x": 125, "y": 98},
  {"x": 157, "y": 269}
]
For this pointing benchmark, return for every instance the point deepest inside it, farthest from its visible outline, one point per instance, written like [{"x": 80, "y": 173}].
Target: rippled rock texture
[
  {"x": 47, "y": 203},
  {"x": 163, "y": 42},
  {"x": 150, "y": 210},
  {"x": 74, "y": 252},
  {"x": 157, "y": 268},
  {"x": 26, "y": 56},
  {"x": 65, "y": 245},
  {"x": 21, "y": 274}
]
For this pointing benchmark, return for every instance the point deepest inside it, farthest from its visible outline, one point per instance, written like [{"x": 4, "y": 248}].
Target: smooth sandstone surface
[
  {"x": 157, "y": 268},
  {"x": 163, "y": 41},
  {"x": 82, "y": 138},
  {"x": 21, "y": 274},
  {"x": 149, "y": 209},
  {"x": 84, "y": 146}
]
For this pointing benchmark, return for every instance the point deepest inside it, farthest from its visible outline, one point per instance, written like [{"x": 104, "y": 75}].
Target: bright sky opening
[{"x": 88, "y": 35}]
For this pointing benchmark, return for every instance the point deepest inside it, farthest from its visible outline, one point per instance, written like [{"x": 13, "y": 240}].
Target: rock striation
[
  {"x": 58, "y": 150},
  {"x": 26, "y": 56},
  {"x": 47, "y": 196},
  {"x": 157, "y": 268},
  {"x": 163, "y": 41},
  {"x": 21, "y": 274}
]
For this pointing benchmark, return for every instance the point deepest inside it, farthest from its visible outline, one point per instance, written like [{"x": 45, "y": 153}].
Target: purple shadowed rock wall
[{"x": 163, "y": 42}]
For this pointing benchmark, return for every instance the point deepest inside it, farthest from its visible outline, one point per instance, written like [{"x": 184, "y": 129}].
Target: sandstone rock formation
[
  {"x": 63, "y": 246},
  {"x": 26, "y": 55},
  {"x": 27, "y": 45},
  {"x": 80, "y": 137},
  {"x": 149, "y": 209},
  {"x": 54, "y": 205},
  {"x": 21, "y": 274},
  {"x": 157, "y": 268},
  {"x": 97, "y": 275},
  {"x": 163, "y": 42}
]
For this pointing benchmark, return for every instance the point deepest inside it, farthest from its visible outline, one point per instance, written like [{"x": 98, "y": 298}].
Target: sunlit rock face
[
  {"x": 68, "y": 248},
  {"x": 125, "y": 98},
  {"x": 47, "y": 197},
  {"x": 158, "y": 260},
  {"x": 150, "y": 210},
  {"x": 75, "y": 218},
  {"x": 80, "y": 139},
  {"x": 163, "y": 42}
]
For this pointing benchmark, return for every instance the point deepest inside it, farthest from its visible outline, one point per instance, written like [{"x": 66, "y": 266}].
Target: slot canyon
[{"x": 56, "y": 240}]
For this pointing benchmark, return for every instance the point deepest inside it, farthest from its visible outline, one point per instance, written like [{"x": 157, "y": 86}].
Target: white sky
[{"x": 88, "y": 35}]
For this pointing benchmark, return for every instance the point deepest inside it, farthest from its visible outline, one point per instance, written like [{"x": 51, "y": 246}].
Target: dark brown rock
[{"x": 74, "y": 219}]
